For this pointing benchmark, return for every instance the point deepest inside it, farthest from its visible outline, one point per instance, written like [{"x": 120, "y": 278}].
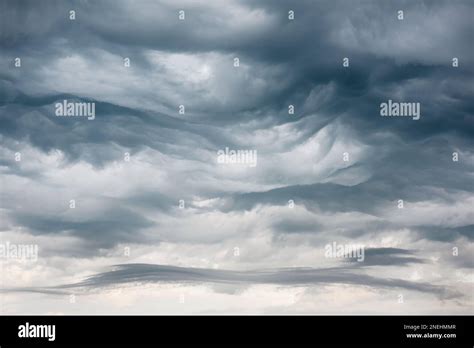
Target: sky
[{"x": 132, "y": 210}]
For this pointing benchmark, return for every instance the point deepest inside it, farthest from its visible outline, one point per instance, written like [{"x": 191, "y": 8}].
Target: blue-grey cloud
[{"x": 171, "y": 200}]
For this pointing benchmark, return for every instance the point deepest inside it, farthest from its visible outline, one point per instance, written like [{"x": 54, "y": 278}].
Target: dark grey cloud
[
  {"x": 173, "y": 156},
  {"x": 113, "y": 226},
  {"x": 358, "y": 90},
  {"x": 136, "y": 273},
  {"x": 445, "y": 234},
  {"x": 387, "y": 257},
  {"x": 148, "y": 273}
]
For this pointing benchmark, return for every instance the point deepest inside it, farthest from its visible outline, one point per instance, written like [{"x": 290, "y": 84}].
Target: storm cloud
[{"x": 141, "y": 185}]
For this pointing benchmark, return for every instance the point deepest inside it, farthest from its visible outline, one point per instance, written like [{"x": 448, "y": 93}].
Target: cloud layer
[{"x": 150, "y": 195}]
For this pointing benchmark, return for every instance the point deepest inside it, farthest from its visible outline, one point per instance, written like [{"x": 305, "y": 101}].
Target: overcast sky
[{"x": 169, "y": 229}]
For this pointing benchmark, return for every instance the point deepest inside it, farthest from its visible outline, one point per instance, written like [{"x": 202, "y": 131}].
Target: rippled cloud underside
[{"x": 163, "y": 157}]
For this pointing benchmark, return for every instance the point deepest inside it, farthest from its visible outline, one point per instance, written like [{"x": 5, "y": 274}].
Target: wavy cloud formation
[{"x": 144, "y": 176}]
